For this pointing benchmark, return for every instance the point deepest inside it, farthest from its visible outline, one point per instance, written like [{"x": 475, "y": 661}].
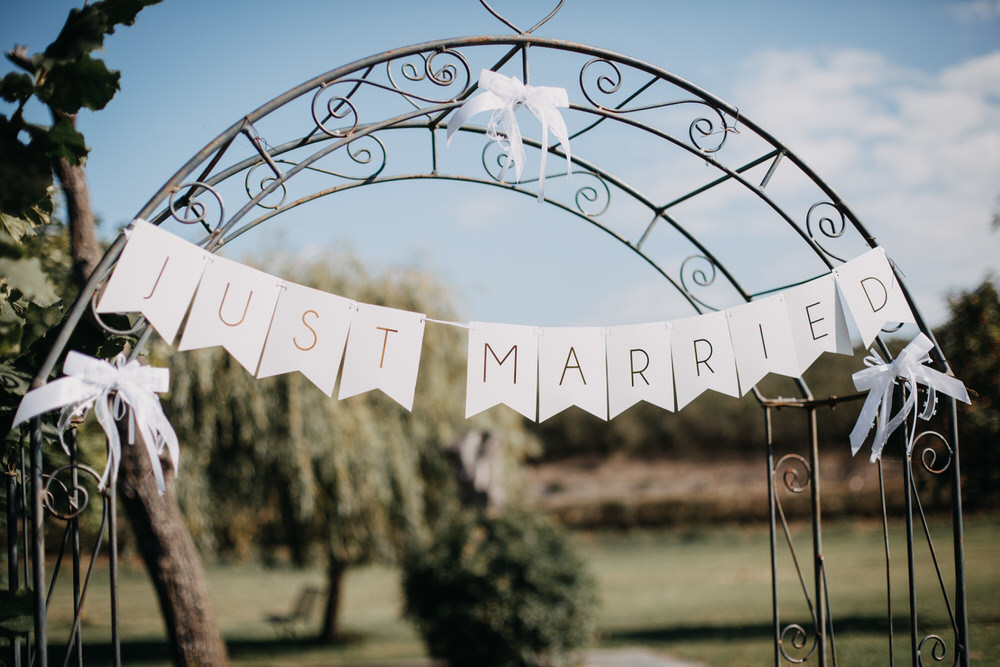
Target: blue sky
[{"x": 895, "y": 104}]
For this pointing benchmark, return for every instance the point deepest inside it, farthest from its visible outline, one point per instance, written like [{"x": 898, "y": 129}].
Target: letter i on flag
[
  {"x": 762, "y": 341},
  {"x": 308, "y": 333},
  {"x": 872, "y": 293},
  {"x": 233, "y": 308},
  {"x": 156, "y": 275},
  {"x": 502, "y": 368},
  {"x": 383, "y": 352}
]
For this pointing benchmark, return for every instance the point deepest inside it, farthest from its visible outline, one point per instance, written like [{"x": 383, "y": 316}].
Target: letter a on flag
[
  {"x": 872, "y": 293},
  {"x": 156, "y": 275},
  {"x": 383, "y": 352},
  {"x": 502, "y": 368},
  {"x": 572, "y": 370}
]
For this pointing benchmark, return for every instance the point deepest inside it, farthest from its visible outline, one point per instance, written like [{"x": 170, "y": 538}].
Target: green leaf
[
  {"x": 85, "y": 82},
  {"x": 29, "y": 278},
  {"x": 16, "y": 86},
  {"x": 82, "y": 33},
  {"x": 122, "y": 12},
  {"x": 17, "y": 610},
  {"x": 64, "y": 141},
  {"x": 16, "y": 229},
  {"x": 25, "y": 170}
]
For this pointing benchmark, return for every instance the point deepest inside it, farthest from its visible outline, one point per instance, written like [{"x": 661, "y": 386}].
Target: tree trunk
[
  {"x": 84, "y": 247},
  {"x": 172, "y": 561},
  {"x": 335, "y": 577},
  {"x": 161, "y": 534}
]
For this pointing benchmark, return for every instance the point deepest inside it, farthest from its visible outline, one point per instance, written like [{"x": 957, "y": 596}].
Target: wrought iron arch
[{"x": 321, "y": 138}]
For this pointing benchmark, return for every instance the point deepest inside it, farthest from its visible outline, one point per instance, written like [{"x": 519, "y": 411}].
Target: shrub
[{"x": 500, "y": 590}]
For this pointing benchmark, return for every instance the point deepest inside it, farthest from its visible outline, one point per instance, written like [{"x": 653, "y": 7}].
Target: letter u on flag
[
  {"x": 383, "y": 352},
  {"x": 156, "y": 275},
  {"x": 502, "y": 368},
  {"x": 233, "y": 308}
]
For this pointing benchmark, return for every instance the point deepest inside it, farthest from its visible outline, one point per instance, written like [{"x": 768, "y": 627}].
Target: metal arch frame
[{"x": 188, "y": 201}]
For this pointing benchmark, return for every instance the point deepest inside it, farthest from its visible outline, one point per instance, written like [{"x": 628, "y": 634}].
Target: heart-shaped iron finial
[{"x": 513, "y": 27}]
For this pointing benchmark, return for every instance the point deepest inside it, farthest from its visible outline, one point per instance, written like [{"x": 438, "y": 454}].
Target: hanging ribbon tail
[
  {"x": 879, "y": 380},
  {"x": 544, "y": 103},
  {"x": 90, "y": 382}
]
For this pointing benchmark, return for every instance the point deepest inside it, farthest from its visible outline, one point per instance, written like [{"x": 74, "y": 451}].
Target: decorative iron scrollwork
[
  {"x": 66, "y": 500},
  {"x": 830, "y": 227},
  {"x": 702, "y": 276},
  {"x": 192, "y": 211},
  {"x": 798, "y": 641}
]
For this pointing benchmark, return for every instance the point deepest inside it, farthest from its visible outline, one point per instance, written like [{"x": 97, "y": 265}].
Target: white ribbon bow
[
  {"x": 89, "y": 382},
  {"x": 879, "y": 380},
  {"x": 503, "y": 95}
]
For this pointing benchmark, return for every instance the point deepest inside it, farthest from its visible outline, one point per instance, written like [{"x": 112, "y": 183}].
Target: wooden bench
[{"x": 290, "y": 624}]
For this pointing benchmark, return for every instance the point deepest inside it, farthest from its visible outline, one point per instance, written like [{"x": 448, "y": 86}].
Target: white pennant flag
[
  {"x": 703, "y": 357},
  {"x": 233, "y": 308},
  {"x": 762, "y": 341},
  {"x": 308, "y": 333},
  {"x": 872, "y": 293},
  {"x": 572, "y": 370},
  {"x": 816, "y": 318},
  {"x": 639, "y": 367},
  {"x": 383, "y": 352},
  {"x": 502, "y": 368},
  {"x": 156, "y": 275}
]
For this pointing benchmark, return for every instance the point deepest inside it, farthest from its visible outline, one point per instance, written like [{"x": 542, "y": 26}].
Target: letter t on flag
[
  {"x": 502, "y": 368},
  {"x": 383, "y": 352}
]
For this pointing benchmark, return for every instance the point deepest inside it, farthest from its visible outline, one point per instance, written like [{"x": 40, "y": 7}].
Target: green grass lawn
[{"x": 704, "y": 595}]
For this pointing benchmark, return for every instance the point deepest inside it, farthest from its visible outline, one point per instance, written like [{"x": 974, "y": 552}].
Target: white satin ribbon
[
  {"x": 503, "y": 95},
  {"x": 879, "y": 379},
  {"x": 90, "y": 382}
]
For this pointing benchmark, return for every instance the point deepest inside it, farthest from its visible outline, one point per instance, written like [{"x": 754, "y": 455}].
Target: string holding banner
[{"x": 272, "y": 327}]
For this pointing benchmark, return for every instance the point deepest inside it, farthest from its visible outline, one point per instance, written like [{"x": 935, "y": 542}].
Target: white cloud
[
  {"x": 975, "y": 10},
  {"x": 915, "y": 154}
]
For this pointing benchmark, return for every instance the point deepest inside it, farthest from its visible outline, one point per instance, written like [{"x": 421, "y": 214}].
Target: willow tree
[{"x": 275, "y": 463}]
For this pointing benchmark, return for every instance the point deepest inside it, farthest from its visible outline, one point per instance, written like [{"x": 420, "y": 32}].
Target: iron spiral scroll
[{"x": 357, "y": 125}]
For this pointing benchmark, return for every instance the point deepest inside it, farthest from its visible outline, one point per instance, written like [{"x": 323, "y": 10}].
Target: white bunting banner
[
  {"x": 816, "y": 319},
  {"x": 572, "y": 370},
  {"x": 232, "y": 308},
  {"x": 703, "y": 357},
  {"x": 639, "y": 367},
  {"x": 383, "y": 352},
  {"x": 502, "y": 368},
  {"x": 872, "y": 293},
  {"x": 156, "y": 275},
  {"x": 762, "y": 341},
  {"x": 308, "y": 333}
]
